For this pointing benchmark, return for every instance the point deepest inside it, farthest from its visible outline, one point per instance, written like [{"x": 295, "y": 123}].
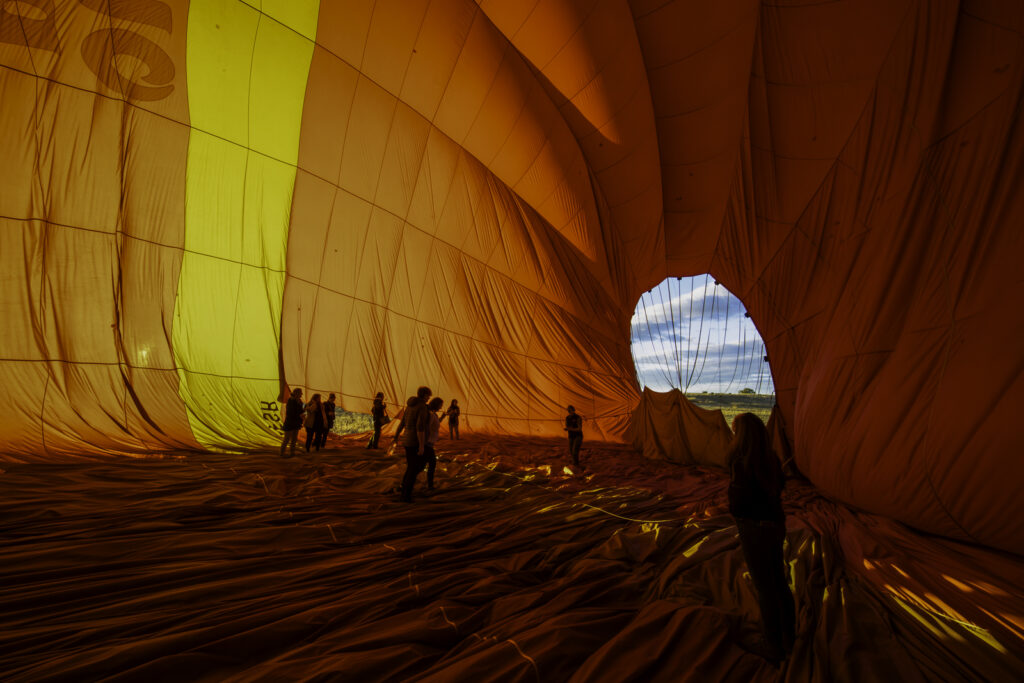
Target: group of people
[
  {"x": 755, "y": 502},
  {"x": 421, "y": 425},
  {"x": 317, "y": 417},
  {"x": 379, "y": 414},
  {"x": 755, "y": 489}
]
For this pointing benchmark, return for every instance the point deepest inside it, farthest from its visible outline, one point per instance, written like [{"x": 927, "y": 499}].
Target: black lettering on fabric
[
  {"x": 272, "y": 415},
  {"x": 100, "y": 50},
  {"x": 149, "y": 12},
  {"x": 30, "y": 23}
]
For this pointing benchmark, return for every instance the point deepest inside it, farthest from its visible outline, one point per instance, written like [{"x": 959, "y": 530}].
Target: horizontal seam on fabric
[
  {"x": 815, "y": 84},
  {"x": 350, "y": 296},
  {"x": 837, "y": 158},
  {"x": 702, "y": 48}
]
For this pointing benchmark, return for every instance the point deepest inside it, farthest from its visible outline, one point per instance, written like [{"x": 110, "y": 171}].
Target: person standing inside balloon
[
  {"x": 755, "y": 501},
  {"x": 410, "y": 403},
  {"x": 415, "y": 425},
  {"x": 453, "y": 419},
  {"x": 430, "y": 457},
  {"x": 329, "y": 412},
  {"x": 292, "y": 421},
  {"x": 379, "y": 413},
  {"x": 574, "y": 427},
  {"x": 316, "y": 420}
]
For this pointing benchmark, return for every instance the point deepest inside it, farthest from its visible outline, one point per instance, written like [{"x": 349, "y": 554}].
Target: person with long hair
[
  {"x": 574, "y": 428},
  {"x": 415, "y": 425},
  {"x": 453, "y": 419},
  {"x": 330, "y": 408},
  {"x": 755, "y": 501},
  {"x": 378, "y": 412},
  {"x": 316, "y": 421},
  {"x": 430, "y": 456},
  {"x": 292, "y": 421}
]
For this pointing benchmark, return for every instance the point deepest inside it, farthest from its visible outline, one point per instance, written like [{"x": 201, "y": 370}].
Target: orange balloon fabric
[{"x": 204, "y": 203}]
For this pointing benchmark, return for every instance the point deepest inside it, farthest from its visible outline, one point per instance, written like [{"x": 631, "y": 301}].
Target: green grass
[
  {"x": 733, "y": 404},
  {"x": 730, "y": 405},
  {"x": 351, "y": 423}
]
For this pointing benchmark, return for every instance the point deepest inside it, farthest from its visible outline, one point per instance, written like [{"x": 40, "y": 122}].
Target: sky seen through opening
[{"x": 693, "y": 334}]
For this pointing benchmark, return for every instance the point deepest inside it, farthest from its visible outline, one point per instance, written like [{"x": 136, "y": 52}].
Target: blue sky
[{"x": 693, "y": 335}]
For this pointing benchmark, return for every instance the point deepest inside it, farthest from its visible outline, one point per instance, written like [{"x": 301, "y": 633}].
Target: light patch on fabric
[{"x": 246, "y": 74}]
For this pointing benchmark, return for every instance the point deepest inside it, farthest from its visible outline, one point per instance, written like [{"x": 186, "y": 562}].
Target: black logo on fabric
[
  {"x": 33, "y": 24},
  {"x": 272, "y": 415}
]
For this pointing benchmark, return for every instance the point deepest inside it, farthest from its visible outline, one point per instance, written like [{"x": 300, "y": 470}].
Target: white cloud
[
  {"x": 719, "y": 353},
  {"x": 677, "y": 302}
]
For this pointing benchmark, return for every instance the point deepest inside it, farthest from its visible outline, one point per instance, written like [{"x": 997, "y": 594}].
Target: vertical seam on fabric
[
  {"x": 444, "y": 91},
  {"x": 404, "y": 219},
  {"x": 725, "y": 339},
  {"x": 118, "y": 231},
  {"x": 860, "y": 117},
  {"x": 561, "y": 48},
  {"x": 527, "y": 18},
  {"x": 44, "y": 231},
  {"x": 930, "y": 177},
  {"x": 327, "y": 232},
  {"x": 169, "y": 333},
  {"x": 245, "y": 191},
  {"x": 661, "y": 338},
  {"x": 487, "y": 93},
  {"x": 676, "y": 351},
  {"x": 113, "y": 52},
  {"x": 704, "y": 361},
  {"x": 42, "y": 412},
  {"x": 369, "y": 217},
  {"x": 366, "y": 40},
  {"x": 650, "y": 337},
  {"x": 348, "y": 326}
]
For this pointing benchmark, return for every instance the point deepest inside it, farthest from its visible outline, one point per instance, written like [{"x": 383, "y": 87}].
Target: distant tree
[{"x": 746, "y": 390}]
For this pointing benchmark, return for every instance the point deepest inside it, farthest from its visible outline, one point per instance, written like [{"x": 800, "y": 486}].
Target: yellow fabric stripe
[{"x": 246, "y": 73}]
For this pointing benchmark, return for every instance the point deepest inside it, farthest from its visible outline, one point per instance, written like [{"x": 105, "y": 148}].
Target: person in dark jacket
[
  {"x": 453, "y": 419},
  {"x": 410, "y": 403},
  {"x": 329, "y": 410},
  {"x": 574, "y": 427},
  {"x": 415, "y": 425},
  {"x": 292, "y": 421},
  {"x": 378, "y": 412},
  {"x": 316, "y": 421},
  {"x": 755, "y": 501},
  {"x": 430, "y": 457}
]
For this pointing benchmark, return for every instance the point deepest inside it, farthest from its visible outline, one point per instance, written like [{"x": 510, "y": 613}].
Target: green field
[
  {"x": 733, "y": 404},
  {"x": 730, "y": 405},
  {"x": 351, "y": 423}
]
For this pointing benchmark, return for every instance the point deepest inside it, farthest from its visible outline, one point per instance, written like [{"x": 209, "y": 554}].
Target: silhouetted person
[
  {"x": 409, "y": 404},
  {"x": 378, "y": 412},
  {"x": 755, "y": 500},
  {"x": 292, "y": 420},
  {"x": 430, "y": 457},
  {"x": 453, "y": 419},
  {"x": 329, "y": 412},
  {"x": 574, "y": 427},
  {"x": 415, "y": 424},
  {"x": 315, "y": 422}
]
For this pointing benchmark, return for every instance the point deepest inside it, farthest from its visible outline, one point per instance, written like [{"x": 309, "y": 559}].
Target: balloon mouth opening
[{"x": 694, "y": 335}]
